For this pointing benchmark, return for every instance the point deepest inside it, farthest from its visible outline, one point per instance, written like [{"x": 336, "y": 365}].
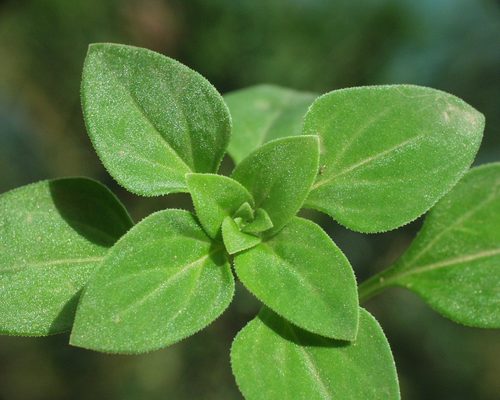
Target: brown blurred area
[{"x": 314, "y": 45}]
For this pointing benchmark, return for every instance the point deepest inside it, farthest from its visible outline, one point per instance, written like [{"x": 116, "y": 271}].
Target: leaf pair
[
  {"x": 163, "y": 281},
  {"x": 167, "y": 278},
  {"x": 276, "y": 179},
  {"x": 151, "y": 133},
  {"x": 388, "y": 153},
  {"x": 296, "y": 260}
]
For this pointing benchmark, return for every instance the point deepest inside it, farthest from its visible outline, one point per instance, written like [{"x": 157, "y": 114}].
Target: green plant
[{"x": 373, "y": 158}]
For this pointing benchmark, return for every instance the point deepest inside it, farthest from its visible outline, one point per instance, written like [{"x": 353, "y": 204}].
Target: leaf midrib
[
  {"x": 116, "y": 77},
  {"x": 310, "y": 365},
  {"x": 449, "y": 228},
  {"x": 299, "y": 277},
  {"x": 444, "y": 263},
  {"x": 366, "y": 161},
  {"x": 165, "y": 284},
  {"x": 61, "y": 261}
]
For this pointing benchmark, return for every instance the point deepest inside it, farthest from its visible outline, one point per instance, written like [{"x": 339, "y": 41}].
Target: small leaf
[
  {"x": 216, "y": 197},
  {"x": 53, "y": 236},
  {"x": 262, "y": 113},
  {"x": 261, "y": 222},
  {"x": 235, "y": 240},
  {"x": 279, "y": 175},
  {"x": 245, "y": 212},
  {"x": 274, "y": 360},
  {"x": 454, "y": 262},
  {"x": 163, "y": 281},
  {"x": 388, "y": 153},
  {"x": 302, "y": 275},
  {"x": 151, "y": 119}
]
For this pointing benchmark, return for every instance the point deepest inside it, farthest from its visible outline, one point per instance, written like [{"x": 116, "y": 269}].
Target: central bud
[
  {"x": 252, "y": 221},
  {"x": 243, "y": 229}
]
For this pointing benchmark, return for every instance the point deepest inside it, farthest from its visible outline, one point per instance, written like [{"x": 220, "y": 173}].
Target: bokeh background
[{"x": 315, "y": 45}]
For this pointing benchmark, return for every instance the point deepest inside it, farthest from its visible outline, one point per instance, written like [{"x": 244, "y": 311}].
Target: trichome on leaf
[{"x": 373, "y": 158}]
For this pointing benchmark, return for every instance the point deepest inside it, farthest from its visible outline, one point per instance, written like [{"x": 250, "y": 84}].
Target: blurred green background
[{"x": 315, "y": 45}]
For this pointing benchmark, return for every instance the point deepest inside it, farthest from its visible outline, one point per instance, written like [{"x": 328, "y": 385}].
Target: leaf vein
[
  {"x": 165, "y": 284},
  {"x": 367, "y": 160},
  {"x": 51, "y": 263}
]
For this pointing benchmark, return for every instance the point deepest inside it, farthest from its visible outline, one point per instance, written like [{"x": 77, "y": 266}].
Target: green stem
[{"x": 375, "y": 285}]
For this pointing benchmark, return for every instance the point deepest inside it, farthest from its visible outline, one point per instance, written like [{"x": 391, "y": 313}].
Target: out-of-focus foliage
[{"x": 313, "y": 45}]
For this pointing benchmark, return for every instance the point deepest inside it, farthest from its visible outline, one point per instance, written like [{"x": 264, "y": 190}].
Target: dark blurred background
[{"x": 315, "y": 45}]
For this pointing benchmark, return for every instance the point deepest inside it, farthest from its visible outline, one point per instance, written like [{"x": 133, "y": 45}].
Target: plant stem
[{"x": 375, "y": 285}]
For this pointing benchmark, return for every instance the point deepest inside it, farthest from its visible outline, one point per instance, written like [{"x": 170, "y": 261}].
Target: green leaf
[
  {"x": 302, "y": 275},
  {"x": 235, "y": 240},
  {"x": 279, "y": 175},
  {"x": 388, "y": 153},
  {"x": 260, "y": 223},
  {"x": 262, "y": 113},
  {"x": 151, "y": 119},
  {"x": 245, "y": 212},
  {"x": 163, "y": 281},
  {"x": 53, "y": 236},
  {"x": 216, "y": 197},
  {"x": 273, "y": 360},
  {"x": 454, "y": 262}
]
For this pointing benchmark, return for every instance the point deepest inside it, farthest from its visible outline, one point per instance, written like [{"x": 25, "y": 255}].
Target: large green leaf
[
  {"x": 302, "y": 275},
  {"x": 216, "y": 197},
  {"x": 262, "y": 113},
  {"x": 388, "y": 153},
  {"x": 151, "y": 119},
  {"x": 163, "y": 281},
  {"x": 53, "y": 236},
  {"x": 274, "y": 360},
  {"x": 279, "y": 175},
  {"x": 454, "y": 262}
]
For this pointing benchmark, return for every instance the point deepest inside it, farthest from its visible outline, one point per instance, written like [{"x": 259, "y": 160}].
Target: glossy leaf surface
[
  {"x": 163, "y": 281},
  {"x": 262, "y": 113},
  {"x": 151, "y": 119},
  {"x": 274, "y": 360},
  {"x": 279, "y": 175},
  {"x": 388, "y": 153},
  {"x": 302, "y": 275},
  {"x": 216, "y": 197},
  {"x": 454, "y": 262},
  {"x": 53, "y": 236}
]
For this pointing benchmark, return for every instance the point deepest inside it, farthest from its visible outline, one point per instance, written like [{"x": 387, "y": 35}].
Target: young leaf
[
  {"x": 279, "y": 175},
  {"x": 302, "y": 275},
  {"x": 274, "y": 360},
  {"x": 235, "y": 240},
  {"x": 454, "y": 262},
  {"x": 245, "y": 212},
  {"x": 262, "y": 113},
  {"x": 163, "y": 281},
  {"x": 151, "y": 119},
  {"x": 388, "y": 153},
  {"x": 261, "y": 222},
  {"x": 53, "y": 236},
  {"x": 216, "y": 197}
]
